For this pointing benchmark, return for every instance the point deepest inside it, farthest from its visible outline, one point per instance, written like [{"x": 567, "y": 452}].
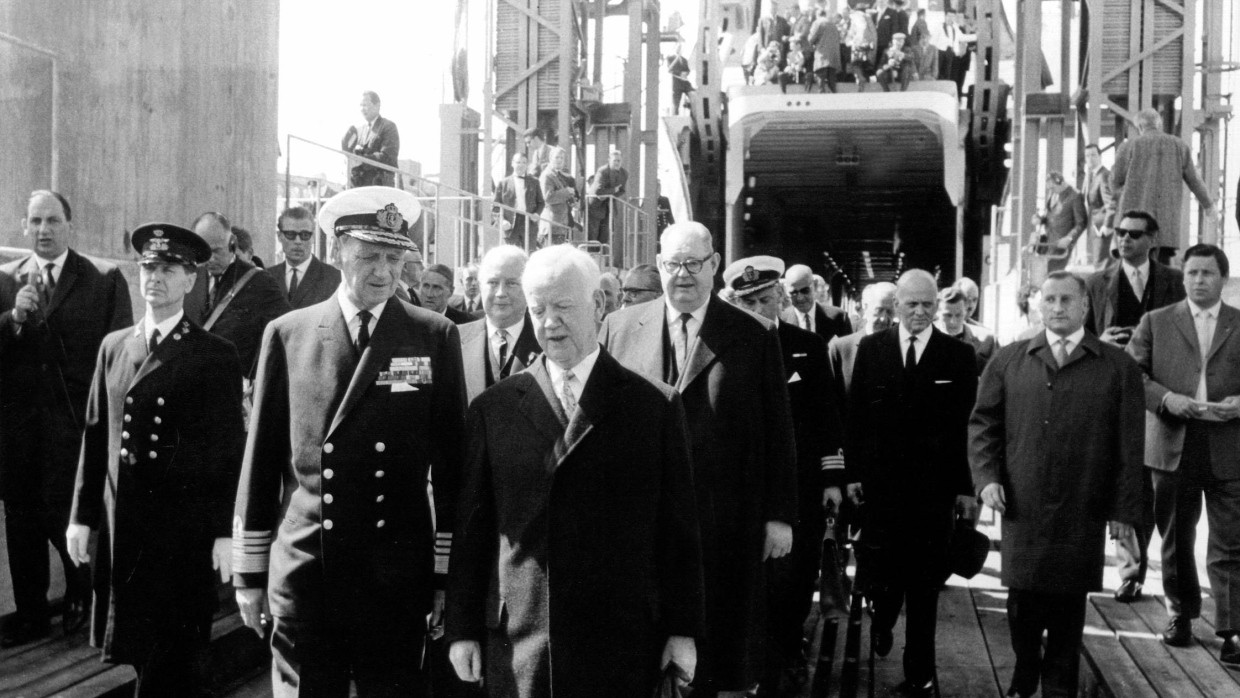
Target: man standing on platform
[
  {"x": 1055, "y": 446},
  {"x": 522, "y": 192},
  {"x": 503, "y": 342},
  {"x": 356, "y": 399},
  {"x": 907, "y": 462},
  {"x": 56, "y": 306},
  {"x": 1189, "y": 353},
  {"x": 1097, "y": 191},
  {"x": 158, "y": 475},
  {"x": 609, "y": 181},
  {"x": 233, "y": 299},
  {"x": 578, "y": 503},
  {"x": 825, "y": 321},
  {"x": 1118, "y": 297},
  {"x": 727, "y": 367},
  {"x": 820, "y": 470},
  {"x": 302, "y": 278},
  {"x": 376, "y": 138}
]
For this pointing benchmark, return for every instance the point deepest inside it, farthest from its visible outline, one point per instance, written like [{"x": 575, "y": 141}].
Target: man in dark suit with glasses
[{"x": 302, "y": 278}]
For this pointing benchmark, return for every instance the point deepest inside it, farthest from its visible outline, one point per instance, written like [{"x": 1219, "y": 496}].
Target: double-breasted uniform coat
[{"x": 157, "y": 476}]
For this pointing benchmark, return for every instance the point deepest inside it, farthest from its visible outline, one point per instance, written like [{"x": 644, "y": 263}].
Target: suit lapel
[
  {"x": 306, "y": 282},
  {"x": 473, "y": 346},
  {"x": 64, "y": 284},
  {"x": 712, "y": 337},
  {"x": 526, "y": 350},
  {"x": 1112, "y": 297},
  {"x": 1222, "y": 329},
  {"x": 542, "y": 406},
  {"x": 377, "y": 353},
  {"x": 648, "y": 355},
  {"x": 279, "y": 272},
  {"x": 1183, "y": 318}
]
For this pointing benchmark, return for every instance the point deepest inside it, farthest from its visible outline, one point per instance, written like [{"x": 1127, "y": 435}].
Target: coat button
[
  {"x": 124, "y": 452},
  {"x": 328, "y": 473},
  {"x": 328, "y": 524},
  {"x": 128, "y": 418},
  {"x": 128, "y": 401},
  {"x": 158, "y": 420},
  {"x": 159, "y": 401},
  {"x": 153, "y": 455},
  {"x": 379, "y": 447},
  {"x": 379, "y": 498},
  {"x": 124, "y": 435},
  {"x": 380, "y": 523},
  {"x": 379, "y": 473},
  {"x": 154, "y": 437},
  {"x": 328, "y": 448},
  {"x": 327, "y": 498}
]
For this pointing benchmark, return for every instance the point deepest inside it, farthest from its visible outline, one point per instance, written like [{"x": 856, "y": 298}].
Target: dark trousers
[
  {"x": 600, "y": 222},
  {"x": 175, "y": 663},
  {"x": 29, "y": 527},
  {"x": 791, "y": 582},
  {"x": 1132, "y": 551},
  {"x": 825, "y": 77},
  {"x": 921, "y": 602},
  {"x": 1062, "y": 618},
  {"x": 1177, "y": 509},
  {"x": 383, "y": 658}
]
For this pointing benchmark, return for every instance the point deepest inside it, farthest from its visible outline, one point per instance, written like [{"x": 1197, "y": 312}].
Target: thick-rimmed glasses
[
  {"x": 691, "y": 266},
  {"x": 305, "y": 235}
]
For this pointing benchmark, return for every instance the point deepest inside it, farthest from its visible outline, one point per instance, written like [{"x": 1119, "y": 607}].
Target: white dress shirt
[
  {"x": 165, "y": 328},
  {"x": 581, "y": 374},
  {"x": 351, "y": 314},
  {"x": 920, "y": 347},
  {"x": 1074, "y": 340},
  {"x": 301, "y": 273},
  {"x": 1205, "y": 320},
  {"x": 518, "y": 187},
  {"x": 681, "y": 343},
  {"x": 514, "y": 330},
  {"x": 38, "y": 265},
  {"x": 1138, "y": 285}
]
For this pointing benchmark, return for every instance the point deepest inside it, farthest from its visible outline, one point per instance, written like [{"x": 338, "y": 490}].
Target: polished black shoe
[
  {"x": 1179, "y": 632},
  {"x": 883, "y": 640},
  {"x": 23, "y": 632},
  {"x": 915, "y": 690},
  {"x": 1230, "y": 654},
  {"x": 1128, "y": 591},
  {"x": 74, "y": 615}
]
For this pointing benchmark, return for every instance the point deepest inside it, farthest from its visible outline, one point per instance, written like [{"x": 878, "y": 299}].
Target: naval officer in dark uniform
[
  {"x": 356, "y": 399},
  {"x": 158, "y": 470}
]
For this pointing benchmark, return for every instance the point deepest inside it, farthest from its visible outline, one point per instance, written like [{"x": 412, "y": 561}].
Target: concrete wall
[{"x": 165, "y": 109}]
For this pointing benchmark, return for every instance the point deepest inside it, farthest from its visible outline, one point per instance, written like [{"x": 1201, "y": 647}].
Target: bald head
[
  {"x": 687, "y": 264},
  {"x": 799, "y": 285},
  {"x": 689, "y": 233},
  {"x": 916, "y": 297},
  {"x": 1149, "y": 119},
  {"x": 878, "y": 304}
]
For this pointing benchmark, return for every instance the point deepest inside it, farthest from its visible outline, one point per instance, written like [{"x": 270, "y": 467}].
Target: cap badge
[
  {"x": 157, "y": 244},
  {"x": 159, "y": 233},
  {"x": 750, "y": 274},
  {"x": 389, "y": 217}
]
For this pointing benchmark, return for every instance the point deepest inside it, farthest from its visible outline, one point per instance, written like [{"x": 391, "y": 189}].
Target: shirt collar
[
  {"x": 514, "y": 330},
  {"x": 581, "y": 372},
  {"x": 301, "y": 268},
  {"x": 1074, "y": 339},
  {"x": 165, "y": 328},
  {"x": 923, "y": 336},
  {"x": 1212, "y": 311},
  {"x": 59, "y": 261},
  {"x": 1144, "y": 268},
  {"x": 673, "y": 315},
  {"x": 350, "y": 311}
]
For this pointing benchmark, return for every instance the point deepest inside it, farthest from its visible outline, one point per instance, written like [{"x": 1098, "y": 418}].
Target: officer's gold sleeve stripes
[
  {"x": 443, "y": 550},
  {"x": 251, "y": 550}
]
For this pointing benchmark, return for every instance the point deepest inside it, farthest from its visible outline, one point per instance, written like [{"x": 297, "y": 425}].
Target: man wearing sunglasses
[
  {"x": 1118, "y": 297},
  {"x": 302, "y": 278},
  {"x": 807, "y": 313}
]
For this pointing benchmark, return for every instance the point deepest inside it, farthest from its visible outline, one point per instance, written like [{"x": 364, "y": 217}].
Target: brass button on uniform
[
  {"x": 158, "y": 420},
  {"x": 379, "y": 447},
  {"x": 159, "y": 401},
  {"x": 328, "y": 448},
  {"x": 327, "y": 498},
  {"x": 154, "y": 437},
  {"x": 153, "y": 455},
  {"x": 124, "y": 435},
  {"x": 328, "y": 473},
  {"x": 328, "y": 524},
  {"x": 125, "y": 452},
  {"x": 379, "y": 473},
  {"x": 128, "y": 419},
  {"x": 379, "y": 498},
  {"x": 128, "y": 401},
  {"x": 380, "y": 523}
]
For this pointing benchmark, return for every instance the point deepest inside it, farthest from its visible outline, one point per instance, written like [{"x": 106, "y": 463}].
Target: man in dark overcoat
[
  {"x": 1055, "y": 443},
  {"x": 56, "y": 306},
  {"x": 755, "y": 286},
  {"x": 578, "y": 498},
  {"x": 726, "y": 365},
  {"x": 158, "y": 470},
  {"x": 907, "y": 461},
  {"x": 356, "y": 399}
]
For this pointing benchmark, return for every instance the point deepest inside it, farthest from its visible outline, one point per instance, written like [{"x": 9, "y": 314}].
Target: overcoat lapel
[
  {"x": 649, "y": 341},
  {"x": 64, "y": 284},
  {"x": 711, "y": 340},
  {"x": 1183, "y": 318},
  {"x": 382, "y": 344},
  {"x": 1222, "y": 330}
]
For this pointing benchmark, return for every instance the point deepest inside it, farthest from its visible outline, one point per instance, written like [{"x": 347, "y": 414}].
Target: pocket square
[
  {"x": 795, "y": 377},
  {"x": 942, "y": 382},
  {"x": 403, "y": 388},
  {"x": 800, "y": 355}
]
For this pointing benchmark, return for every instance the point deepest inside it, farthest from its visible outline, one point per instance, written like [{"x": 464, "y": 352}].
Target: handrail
[{"x": 635, "y": 223}]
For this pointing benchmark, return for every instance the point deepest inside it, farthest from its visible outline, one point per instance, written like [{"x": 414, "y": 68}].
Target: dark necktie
[
  {"x": 684, "y": 337},
  {"x": 292, "y": 284},
  {"x": 154, "y": 342},
  {"x": 910, "y": 356},
  {"x": 504, "y": 360},
  {"x": 363, "y": 330},
  {"x": 50, "y": 269}
]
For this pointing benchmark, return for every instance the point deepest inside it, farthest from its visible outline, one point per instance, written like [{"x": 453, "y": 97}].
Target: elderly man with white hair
[
  {"x": 726, "y": 364},
  {"x": 915, "y": 383},
  {"x": 878, "y": 302},
  {"x": 578, "y": 500},
  {"x": 502, "y": 342}
]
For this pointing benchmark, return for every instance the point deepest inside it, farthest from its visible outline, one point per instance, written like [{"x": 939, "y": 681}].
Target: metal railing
[{"x": 478, "y": 221}]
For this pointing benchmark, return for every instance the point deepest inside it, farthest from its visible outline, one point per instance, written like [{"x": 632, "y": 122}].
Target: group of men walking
[{"x": 569, "y": 500}]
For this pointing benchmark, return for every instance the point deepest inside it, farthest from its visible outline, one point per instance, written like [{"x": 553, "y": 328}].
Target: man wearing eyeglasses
[
  {"x": 1118, "y": 297},
  {"x": 726, "y": 365},
  {"x": 640, "y": 285},
  {"x": 807, "y": 313},
  {"x": 302, "y": 278}
]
